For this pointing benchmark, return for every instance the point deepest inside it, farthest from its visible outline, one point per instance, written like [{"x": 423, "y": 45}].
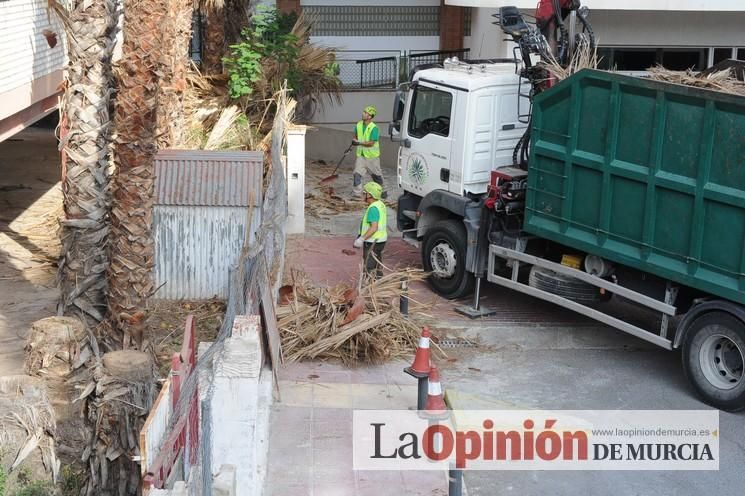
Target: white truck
[
  {"x": 456, "y": 125},
  {"x": 609, "y": 185}
]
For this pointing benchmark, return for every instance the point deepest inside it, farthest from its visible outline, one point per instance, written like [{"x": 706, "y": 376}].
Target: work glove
[
  {"x": 355, "y": 143},
  {"x": 358, "y": 242}
]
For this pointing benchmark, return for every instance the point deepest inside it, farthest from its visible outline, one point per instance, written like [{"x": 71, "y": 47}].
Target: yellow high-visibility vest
[
  {"x": 382, "y": 233},
  {"x": 363, "y": 135}
]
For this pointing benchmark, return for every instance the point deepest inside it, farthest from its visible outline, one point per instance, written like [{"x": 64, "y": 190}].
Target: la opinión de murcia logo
[{"x": 545, "y": 443}]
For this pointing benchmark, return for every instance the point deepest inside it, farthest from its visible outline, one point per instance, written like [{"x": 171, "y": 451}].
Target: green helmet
[
  {"x": 373, "y": 189},
  {"x": 371, "y": 110}
]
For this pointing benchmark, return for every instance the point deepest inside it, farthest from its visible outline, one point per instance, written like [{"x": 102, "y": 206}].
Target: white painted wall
[
  {"x": 333, "y": 127},
  {"x": 397, "y": 43},
  {"x": 663, "y": 5},
  {"x": 346, "y": 115},
  {"x": 373, "y": 3},
  {"x": 700, "y": 29},
  {"x": 625, "y": 28},
  {"x": 25, "y": 55}
]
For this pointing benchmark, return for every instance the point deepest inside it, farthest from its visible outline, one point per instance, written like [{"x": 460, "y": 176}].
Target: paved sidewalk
[{"x": 310, "y": 448}]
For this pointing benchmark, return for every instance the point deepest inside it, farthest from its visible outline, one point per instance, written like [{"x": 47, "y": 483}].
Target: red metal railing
[{"x": 160, "y": 447}]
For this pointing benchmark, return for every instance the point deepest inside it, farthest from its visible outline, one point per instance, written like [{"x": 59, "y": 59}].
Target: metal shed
[{"x": 207, "y": 203}]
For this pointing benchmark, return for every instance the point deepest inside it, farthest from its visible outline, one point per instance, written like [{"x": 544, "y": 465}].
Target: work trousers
[
  {"x": 366, "y": 165},
  {"x": 372, "y": 256}
]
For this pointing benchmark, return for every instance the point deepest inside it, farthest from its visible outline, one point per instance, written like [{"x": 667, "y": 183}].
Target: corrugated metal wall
[
  {"x": 24, "y": 53},
  {"x": 207, "y": 204}
]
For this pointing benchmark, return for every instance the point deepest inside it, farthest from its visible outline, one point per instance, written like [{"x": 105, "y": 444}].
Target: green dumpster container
[{"x": 646, "y": 174}]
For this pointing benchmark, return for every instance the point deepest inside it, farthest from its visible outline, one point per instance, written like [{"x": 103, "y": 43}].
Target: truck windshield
[{"x": 430, "y": 112}]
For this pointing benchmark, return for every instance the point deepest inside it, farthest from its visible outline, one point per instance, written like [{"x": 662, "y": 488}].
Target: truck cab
[
  {"x": 456, "y": 125},
  {"x": 459, "y": 123}
]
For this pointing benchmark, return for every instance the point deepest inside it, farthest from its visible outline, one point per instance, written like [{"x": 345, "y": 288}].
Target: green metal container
[{"x": 647, "y": 174}]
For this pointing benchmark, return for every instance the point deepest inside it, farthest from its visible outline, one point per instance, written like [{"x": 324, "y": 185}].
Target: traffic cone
[
  {"x": 420, "y": 367},
  {"x": 436, "y": 408}
]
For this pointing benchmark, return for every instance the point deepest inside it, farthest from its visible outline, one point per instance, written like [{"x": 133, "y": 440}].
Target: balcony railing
[{"x": 386, "y": 68}]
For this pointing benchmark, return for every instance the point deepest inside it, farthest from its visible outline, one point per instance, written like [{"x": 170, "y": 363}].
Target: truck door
[{"x": 424, "y": 158}]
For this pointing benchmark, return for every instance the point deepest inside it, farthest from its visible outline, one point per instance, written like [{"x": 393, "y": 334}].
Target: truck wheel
[
  {"x": 444, "y": 255},
  {"x": 713, "y": 357}
]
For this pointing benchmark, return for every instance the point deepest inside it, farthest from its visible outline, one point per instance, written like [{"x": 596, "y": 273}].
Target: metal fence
[
  {"x": 386, "y": 69},
  {"x": 369, "y": 69}
]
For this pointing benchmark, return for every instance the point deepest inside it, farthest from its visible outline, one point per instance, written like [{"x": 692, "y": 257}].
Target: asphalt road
[{"x": 578, "y": 368}]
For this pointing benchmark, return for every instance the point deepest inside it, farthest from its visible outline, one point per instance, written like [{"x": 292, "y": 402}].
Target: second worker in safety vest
[
  {"x": 373, "y": 231},
  {"x": 367, "y": 140}
]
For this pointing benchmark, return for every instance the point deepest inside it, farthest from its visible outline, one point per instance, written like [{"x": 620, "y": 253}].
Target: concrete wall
[
  {"x": 627, "y": 28},
  {"x": 241, "y": 400},
  {"x": 333, "y": 127},
  {"x": 328, "y": 144},
  {"x": 698, "y": 29},
  {"x": 663, "y": 5}
]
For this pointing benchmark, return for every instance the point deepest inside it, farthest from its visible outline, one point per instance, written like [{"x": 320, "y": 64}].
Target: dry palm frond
[
  {"x": 27, "y": 423},
  {"x": 341, "y": 323},
  {"x": 583, "y": 57},
  {"x": 218, "y": 135},
  {"x": 724, "y": 81}
]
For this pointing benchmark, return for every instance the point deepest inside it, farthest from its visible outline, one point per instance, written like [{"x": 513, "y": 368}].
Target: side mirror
[{"x": 399, "y": 105}]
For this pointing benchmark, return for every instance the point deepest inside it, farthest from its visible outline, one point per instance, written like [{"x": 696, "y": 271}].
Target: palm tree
[
  {"x": 224, "y": 20},
  {"x": 176, "y": 34},
  {"x": 149, "y": 116},
  {"x": 131, "y": 253},
  {"x": 90, "y": 29}
]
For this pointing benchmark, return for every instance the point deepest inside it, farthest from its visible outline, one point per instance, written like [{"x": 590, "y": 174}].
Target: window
[
  {"x": 683, "y": 59},
  {"x": 637, "y": 59},
  {"x": 721, "y": 54},
  {"x": 642, "y": 58},
  {"x": 741, "y": 54},
  {"x": 430, "y": 112}
]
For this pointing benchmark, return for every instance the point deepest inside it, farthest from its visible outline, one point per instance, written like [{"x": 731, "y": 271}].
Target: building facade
[
  {"x": 31, "y": 70},
  {"x": 635, "y": 34}
]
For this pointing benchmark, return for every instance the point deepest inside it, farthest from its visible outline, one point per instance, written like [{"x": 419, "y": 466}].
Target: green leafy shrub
[{"x": 268, "y": 39}]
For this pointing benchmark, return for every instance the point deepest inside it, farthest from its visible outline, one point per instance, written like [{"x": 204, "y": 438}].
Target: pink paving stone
[{"x": 321, "y": 258}]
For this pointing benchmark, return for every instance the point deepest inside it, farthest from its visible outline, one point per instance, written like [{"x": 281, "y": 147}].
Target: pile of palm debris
[
  {"x": 354, "y": 325},
  {"x": 27, "y": 432},
  {"x": 584, "y": 57},
  {"x": 724, "y": 80},
  {"x": 323, "y": 200},
  {"x": 215, "y": 121}
]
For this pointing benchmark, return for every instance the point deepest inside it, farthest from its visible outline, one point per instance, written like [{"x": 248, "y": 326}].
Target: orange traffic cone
[
  {"x": 420, "y": 367},
  {"x": 436, "y": 408}
]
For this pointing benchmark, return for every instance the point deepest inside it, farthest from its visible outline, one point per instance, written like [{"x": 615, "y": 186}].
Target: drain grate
[{"x": 457, "y": 343}]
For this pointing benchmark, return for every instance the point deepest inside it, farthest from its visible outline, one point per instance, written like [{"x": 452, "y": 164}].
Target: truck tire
[
  {"x": 713, "y": 357},
  {"x": 565, "y": 286},
  {"x": 444, "y": 256}
]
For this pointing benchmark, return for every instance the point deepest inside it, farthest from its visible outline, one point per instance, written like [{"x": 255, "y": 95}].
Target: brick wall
[
  {"x": 287, "y": 6},
  {"x": 451, "y": 26}
]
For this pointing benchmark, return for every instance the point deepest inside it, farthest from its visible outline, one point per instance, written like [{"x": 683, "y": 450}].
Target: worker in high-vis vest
[
  {"x": 373, "y": 230},
  {"x": 367, "y": 140}
]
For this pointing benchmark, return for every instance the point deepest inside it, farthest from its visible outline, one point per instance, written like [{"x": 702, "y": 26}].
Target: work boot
[{"x": 356, "y": 187}]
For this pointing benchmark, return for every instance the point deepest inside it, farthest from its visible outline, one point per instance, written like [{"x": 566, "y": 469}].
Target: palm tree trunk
[
  {"x": 176, "y": 38},
  {"x": 130, "y": 272},
  {"x": 85, "y": 112},
  {"x": 213, "y": 44}
]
